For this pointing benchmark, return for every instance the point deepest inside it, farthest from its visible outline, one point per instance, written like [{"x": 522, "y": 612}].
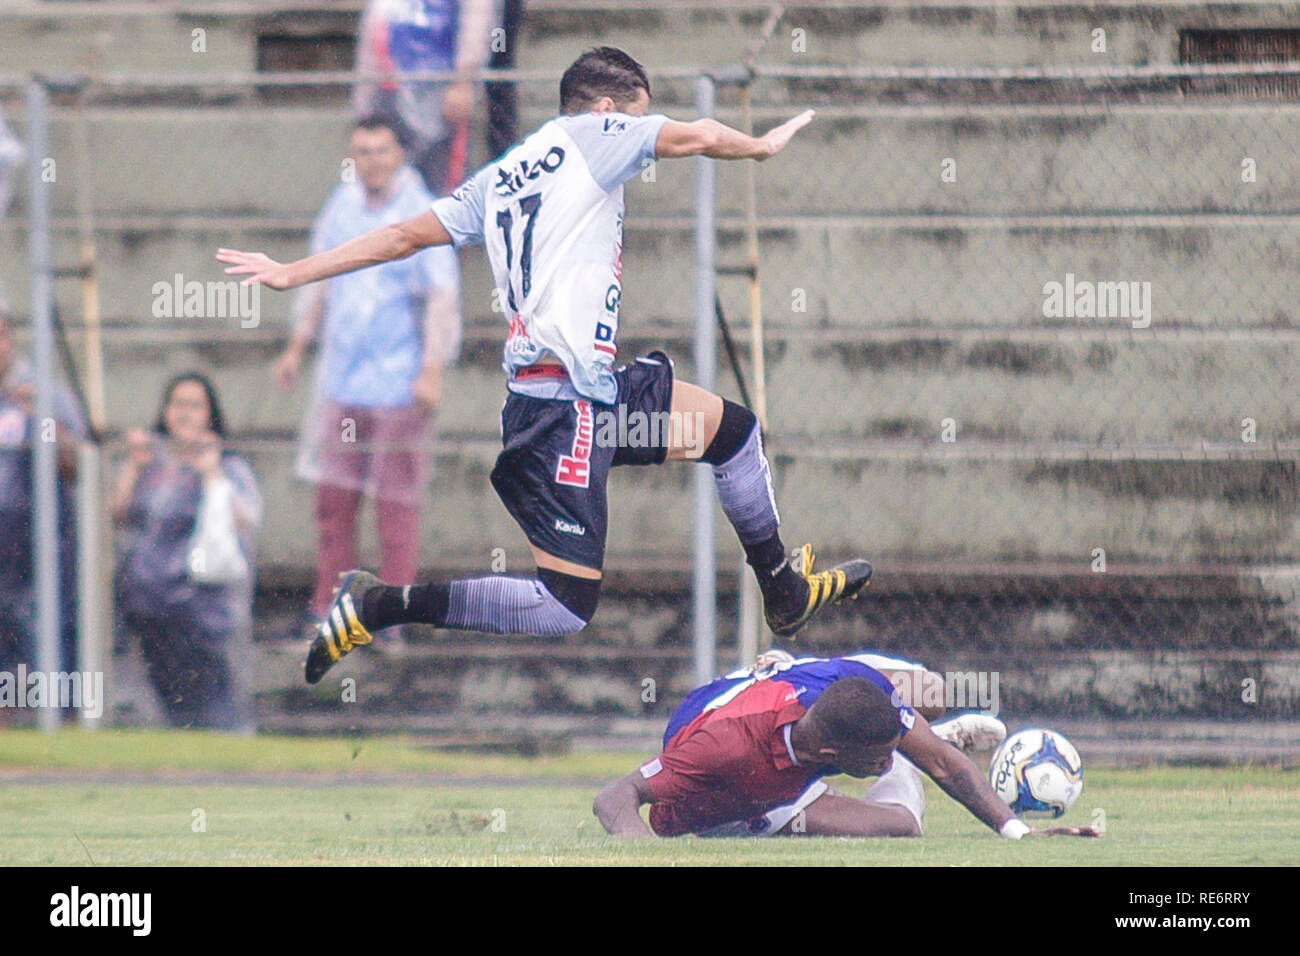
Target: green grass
[
  {"x": 317, "y": 803},
  {"x": 199, "y": 750}
]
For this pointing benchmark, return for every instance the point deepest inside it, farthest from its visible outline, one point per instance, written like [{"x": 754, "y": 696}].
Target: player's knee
[
  {"x": 575, "y": 595},
  {"x": 733, "y": 431}
]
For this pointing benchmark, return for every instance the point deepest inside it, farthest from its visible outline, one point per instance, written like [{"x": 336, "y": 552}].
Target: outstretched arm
[
  {"x": 708, "y": 137},
  {"x": 957, "y": 775},
  {"x": 618, "y": 807},
  {"x": 385, "y": 244}
]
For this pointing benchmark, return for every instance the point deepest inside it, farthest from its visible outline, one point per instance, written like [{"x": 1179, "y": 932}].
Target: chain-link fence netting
[{"x": 1029, "y": 346}]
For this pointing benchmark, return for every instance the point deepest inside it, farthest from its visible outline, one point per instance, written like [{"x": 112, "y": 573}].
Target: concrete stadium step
[
  {"x": 1159, "y": 643},
  {"x": 427, "y": 684},
  {"x": 1060, "y": 653},
  {"x": 1095, "y": 389},
  {"x": 849, "y": 271},
  {"x": 855, "y": 158},
  {"x": 148, "y": 38},
  {"x": 971, "y": 502},
  {"x": 141, "y": 37},
  {"x": 958, "y": 33}
]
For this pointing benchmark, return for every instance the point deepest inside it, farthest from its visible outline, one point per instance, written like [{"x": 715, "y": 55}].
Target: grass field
[{"x": 129, "y": 797}]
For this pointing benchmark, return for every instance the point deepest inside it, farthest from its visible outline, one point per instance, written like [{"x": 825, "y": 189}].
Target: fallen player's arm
[
  {"x": 385, "y": 244},
  {"x": 708, "y": 137},
  {"x": 957, "y": 775},
  {"x": 618, "y": 807}
]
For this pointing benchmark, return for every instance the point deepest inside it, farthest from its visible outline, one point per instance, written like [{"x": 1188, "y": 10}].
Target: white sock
[{"x": 900, "y": 786}]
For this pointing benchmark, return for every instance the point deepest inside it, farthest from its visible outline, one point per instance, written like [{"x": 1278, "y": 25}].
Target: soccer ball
[{"x": 1037, "y": 772}]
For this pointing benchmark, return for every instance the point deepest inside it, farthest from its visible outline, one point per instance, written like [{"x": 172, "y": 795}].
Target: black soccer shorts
[{"x": 552, "y": 471}]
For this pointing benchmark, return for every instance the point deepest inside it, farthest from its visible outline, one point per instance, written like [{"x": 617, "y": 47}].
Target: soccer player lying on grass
[
  {"x": 745, "y": 754},
  {"x": 550, "y": 212}
]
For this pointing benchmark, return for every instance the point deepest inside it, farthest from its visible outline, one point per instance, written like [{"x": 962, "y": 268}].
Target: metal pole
[
  {"x": 706, "y": 580},
  {"x": 90, "y": 635},
  {"x": 45, "y": 524}
]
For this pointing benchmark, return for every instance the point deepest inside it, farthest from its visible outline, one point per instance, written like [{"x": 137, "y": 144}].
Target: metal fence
[{"x": 1024, "y": 331}]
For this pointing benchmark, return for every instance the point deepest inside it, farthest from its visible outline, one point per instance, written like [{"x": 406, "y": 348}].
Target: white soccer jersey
[{"x": 550, "y": 211}]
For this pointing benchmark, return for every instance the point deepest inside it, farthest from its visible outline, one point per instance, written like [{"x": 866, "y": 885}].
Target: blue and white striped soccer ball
[{"x": 1037, "y": 772}]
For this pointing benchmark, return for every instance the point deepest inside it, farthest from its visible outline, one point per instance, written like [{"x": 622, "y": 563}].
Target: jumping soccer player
[
  {"x": 744, "y": 756},
  {"x": 550, "y": 212}
]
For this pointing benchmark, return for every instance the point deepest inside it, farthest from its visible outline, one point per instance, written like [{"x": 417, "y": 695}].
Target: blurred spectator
[
  {"x": 385, "y": 335},
  {"x": 403, "y": 36},
  {"x": 189, "y": 510},
  {"x": 11, "y": 156},
  {"x": 503, "y": 98},
  {"x": 19, "y": 431}
]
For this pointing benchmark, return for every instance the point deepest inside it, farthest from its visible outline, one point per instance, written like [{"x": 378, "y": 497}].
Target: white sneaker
[{"x": 971, "y": 732}]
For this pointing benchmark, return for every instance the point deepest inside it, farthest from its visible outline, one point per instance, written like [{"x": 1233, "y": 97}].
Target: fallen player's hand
[
  {"x": 778, "y": 138},
  {"x": 260, "y": 269},
  {"x": 1065, "y": 831}
]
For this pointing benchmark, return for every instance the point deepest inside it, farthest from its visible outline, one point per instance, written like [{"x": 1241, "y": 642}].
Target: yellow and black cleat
[
  {"x": 342, "y": 629},
  {"x": 824, "y": 587}
]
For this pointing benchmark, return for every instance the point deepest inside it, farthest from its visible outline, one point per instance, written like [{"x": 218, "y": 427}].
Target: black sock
[
  {"x": 765, "y": 556},
  {"x": 386, "y": 606},
  {"x": 776, "y": 579}
]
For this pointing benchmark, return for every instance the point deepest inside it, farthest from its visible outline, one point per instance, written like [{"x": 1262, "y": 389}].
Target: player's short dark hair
[
  {"x": 853, "y": 712},
  {"x": 601, "y": 71},
  {"x": 382, "y": 120}
]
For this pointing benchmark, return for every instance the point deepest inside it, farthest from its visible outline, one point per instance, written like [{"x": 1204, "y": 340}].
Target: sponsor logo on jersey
[
  {"x": 613, "y": 126},
  {"x": 517, "y": 340},
  {"x": 511, "y": 179},
  {"x": 575, "y": 468},
  {"x": 569, "y": 527},
  {"x": 605, "y": 333}
]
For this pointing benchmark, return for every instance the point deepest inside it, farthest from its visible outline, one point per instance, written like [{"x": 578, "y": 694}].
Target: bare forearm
[
  {"x": 124, "y": 492},
  {"x": 474, "y": 39},
  {"x": 385, "y": 244},
  {"x": 708, "y": 137},
  {"x": 441, "y": 315},
  {"x": 308, "y": 325},
  {"x": 618, "y": 809},
  {"x": 968, "y": 787},
  {"x": 723, "y": 142}
]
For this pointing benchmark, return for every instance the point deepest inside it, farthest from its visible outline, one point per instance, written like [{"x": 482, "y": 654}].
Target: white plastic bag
[{"x": 215, "y": 554}]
